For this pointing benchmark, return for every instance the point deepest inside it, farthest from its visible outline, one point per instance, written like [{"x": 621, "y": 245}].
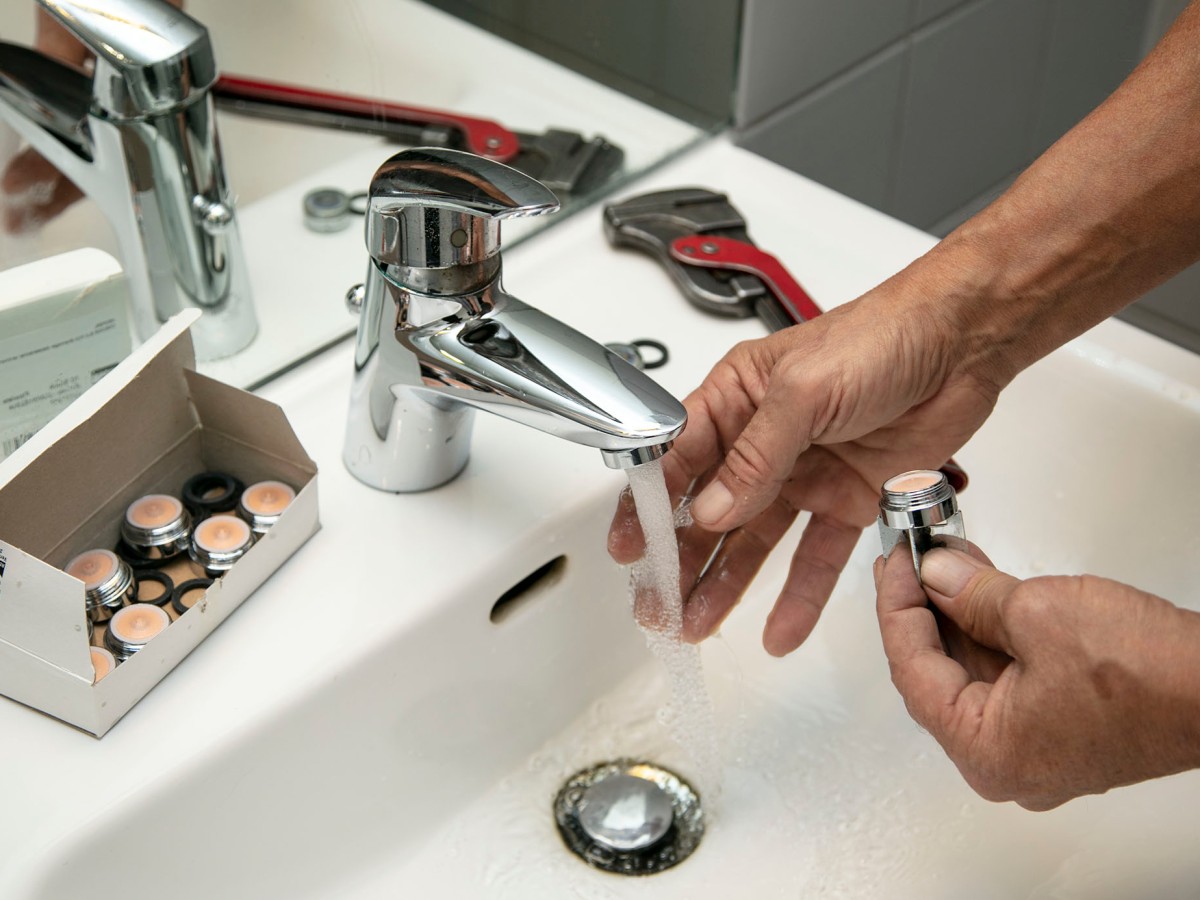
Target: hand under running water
[
  {"x": 813, "y": 418},
  {"x": 1038, "y": 690}
]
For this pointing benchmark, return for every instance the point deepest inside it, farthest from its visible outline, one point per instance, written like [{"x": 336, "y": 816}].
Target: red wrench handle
[
  {"x": 482, "y": 137},
  {"x": 714, "y": 252}
]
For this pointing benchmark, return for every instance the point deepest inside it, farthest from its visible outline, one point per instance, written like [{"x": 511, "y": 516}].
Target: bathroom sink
[
  {"x": 393, "y": 713},
  {"x": 829, "y": 788}
]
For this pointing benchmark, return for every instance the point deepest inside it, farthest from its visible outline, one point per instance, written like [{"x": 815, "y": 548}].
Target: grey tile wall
[
  {"x": 791, "y": 46},
  {"x": 969, "y": 106},
  {"x": 844, "y": 133},
  {"x": 983, "y": 86},
  {"x": 1172, "y": 310},
  {"x": 677, "y": 55},
  {"x": 931, "y": 9},
  {"x": 1094, "y": 45},
  {"x": 928, "y": 108}
]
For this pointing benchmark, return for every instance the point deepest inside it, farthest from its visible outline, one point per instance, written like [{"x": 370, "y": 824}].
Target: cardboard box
[
  {"x": 145, "y": 428},
  {"x": 64, "y": 324}
]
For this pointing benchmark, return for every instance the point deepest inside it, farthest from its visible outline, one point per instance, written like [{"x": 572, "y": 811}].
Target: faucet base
[{"x": 397, "y": 441}]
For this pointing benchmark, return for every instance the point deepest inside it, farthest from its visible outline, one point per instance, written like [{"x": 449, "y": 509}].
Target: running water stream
[{"x": 688, "y": 716}]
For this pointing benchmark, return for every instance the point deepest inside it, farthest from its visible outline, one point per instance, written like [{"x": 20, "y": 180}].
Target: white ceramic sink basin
[
  {"x": 829, "y": 787},
  {"x": 361, "y": 728}
]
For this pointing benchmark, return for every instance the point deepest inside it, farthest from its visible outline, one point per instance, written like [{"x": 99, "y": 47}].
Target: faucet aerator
[{"x": 636, "y": 456}]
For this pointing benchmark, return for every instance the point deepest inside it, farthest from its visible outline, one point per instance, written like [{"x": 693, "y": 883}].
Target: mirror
[{"x": 650, "y": 83}]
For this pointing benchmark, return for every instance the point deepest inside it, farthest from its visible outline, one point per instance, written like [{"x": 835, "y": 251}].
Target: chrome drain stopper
[{"x": 629, "y": 817}]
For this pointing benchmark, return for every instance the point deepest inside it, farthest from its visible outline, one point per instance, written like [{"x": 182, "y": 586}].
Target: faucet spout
[
  {"x": 417, "y": 388},
  {"x": 138, "y": 136},
  {"x": 440, "y": 338}
]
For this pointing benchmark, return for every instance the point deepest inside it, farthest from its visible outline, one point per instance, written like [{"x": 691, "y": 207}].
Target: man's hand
[
  {"x": 1053, "y": 687},
  {"x": 813, "y": 418}
]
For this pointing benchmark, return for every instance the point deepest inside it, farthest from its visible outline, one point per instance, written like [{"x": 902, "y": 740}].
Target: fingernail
[
  {"x": 948, "y": 572},
  {"x": 714, "y": 501}
]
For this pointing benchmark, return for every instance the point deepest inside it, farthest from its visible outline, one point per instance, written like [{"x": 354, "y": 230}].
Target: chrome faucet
[
  {"x": 438, "y": 337},
  {"x": 139, "y": 137}
]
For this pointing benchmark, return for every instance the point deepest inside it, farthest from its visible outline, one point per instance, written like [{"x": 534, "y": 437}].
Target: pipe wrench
[
  {"x": 703, "y": 242},
  {"x": 564, "y": 161},
  {"x": 701, "y": 239}
]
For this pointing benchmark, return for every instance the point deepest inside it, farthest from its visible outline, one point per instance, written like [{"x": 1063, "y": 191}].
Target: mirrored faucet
[
  {"x": 138, "y": 136},
  {"x": 438, "y": 337}
]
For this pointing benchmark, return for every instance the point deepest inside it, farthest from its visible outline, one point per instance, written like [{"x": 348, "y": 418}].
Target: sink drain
[{"x": 629, "y": 817}]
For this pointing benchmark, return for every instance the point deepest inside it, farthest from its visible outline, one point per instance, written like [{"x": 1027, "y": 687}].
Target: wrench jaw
[
  {"x": 568, "y": 163},
  {"x": 652, "y": 222},
  {"x": 564, "y": 161}
]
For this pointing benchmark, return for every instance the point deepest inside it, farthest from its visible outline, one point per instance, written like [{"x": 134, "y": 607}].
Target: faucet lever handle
[
  {"x": 150, "y": 56},
  {"x": 435, "y": 208}
]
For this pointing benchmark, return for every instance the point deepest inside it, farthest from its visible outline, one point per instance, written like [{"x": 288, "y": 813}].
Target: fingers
[
  {"x": 693, "y": 457},
  {"x": 626, "y": 543},
  {"x": 982, "y": 663},
  {"x": 731, "y": 570},
  {"x": 906, "y": 624},
  {"x": 971, "y": 593},
  {"x": 938, "y": 692},
  {"x": 820, "y": 556},
  {"x": 758, "y": 463}
]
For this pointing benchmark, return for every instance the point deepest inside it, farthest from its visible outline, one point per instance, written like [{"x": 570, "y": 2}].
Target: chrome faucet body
[
  {"x": 439, "y": 337},
  {"x": 139, "y": 137}
]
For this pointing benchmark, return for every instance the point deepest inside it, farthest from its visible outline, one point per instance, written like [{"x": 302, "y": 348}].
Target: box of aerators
[{"x": 143, "y": 429}]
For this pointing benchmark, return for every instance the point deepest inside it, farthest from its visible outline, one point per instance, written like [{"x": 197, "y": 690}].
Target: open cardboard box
[{"x": 145, "y": 428}]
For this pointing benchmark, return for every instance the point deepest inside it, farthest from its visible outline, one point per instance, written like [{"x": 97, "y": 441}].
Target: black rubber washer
[
  {"x": 197, "y": 487},
  {"x": 358, "y": 203},
  {"x": 663, "y": 355},
  {"x": 136, "y": 561},
  {"x": 184, "y": 588},
  {"x": 162, "y": 578}
]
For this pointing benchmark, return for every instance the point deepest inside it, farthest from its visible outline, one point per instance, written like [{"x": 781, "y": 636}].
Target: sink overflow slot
[{"x": 528, "y": 587}]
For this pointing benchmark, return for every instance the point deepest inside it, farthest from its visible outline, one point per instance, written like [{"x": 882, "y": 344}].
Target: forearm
[{"x": 1107, "y": 213}]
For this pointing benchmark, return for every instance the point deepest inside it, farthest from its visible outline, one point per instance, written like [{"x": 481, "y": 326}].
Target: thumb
[
  {"x": 970, "y": 593},
  {"x": 755, "y": 468}
]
